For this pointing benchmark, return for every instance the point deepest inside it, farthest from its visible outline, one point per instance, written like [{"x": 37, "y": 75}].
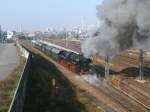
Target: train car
[
  {"x": 50, "y": 51},
  {"x": 33, "y": 42},
  {"x": 44, "y": 46},
  {"x": 37, "y": 44},
  {"x": 54, "y": 53}
]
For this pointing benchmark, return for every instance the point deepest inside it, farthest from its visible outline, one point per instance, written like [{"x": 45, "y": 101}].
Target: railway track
[
  {"x": 134, "y": 60},
  {"x": 125, "y": 62},
  {"x": 139, "y": 87},
  {"x": 132, "y": 90},
  {"x": 139, "y": 97},
  {"x": 123, "y": 100}
]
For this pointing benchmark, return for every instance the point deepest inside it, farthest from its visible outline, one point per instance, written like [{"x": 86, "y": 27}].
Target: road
[{"x": 8, "y": 59}]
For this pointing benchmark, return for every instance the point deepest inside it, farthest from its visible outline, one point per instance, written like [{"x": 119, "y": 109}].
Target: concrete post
[{"x": 107, "y": 67}]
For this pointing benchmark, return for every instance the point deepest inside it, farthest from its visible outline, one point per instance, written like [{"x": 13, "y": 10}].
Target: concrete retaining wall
[{"x": 23, "y": 51}]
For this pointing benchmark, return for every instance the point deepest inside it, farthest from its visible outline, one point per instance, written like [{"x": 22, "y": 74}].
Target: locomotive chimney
[
  {"x": 141, "y": 67},
  {"x": 107, "y": 67}
]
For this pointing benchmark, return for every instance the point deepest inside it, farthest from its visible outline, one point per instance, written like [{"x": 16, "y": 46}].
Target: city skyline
[{"x": 36, "y": 15}]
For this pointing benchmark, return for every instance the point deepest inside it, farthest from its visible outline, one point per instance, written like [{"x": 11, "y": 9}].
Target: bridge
[{"x": 103, "y": 95}]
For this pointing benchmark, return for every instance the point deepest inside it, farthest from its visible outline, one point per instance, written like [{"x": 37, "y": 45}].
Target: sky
[{"x": 33, "y": 15}]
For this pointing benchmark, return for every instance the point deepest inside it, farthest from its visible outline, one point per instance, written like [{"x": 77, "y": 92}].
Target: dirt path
[{"x": 8, "y": 59}]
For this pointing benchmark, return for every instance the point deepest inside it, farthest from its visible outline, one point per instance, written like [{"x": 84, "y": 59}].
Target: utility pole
[
  {"x": 107, "y": 67},
  {"x": 66, "y": 35},
  {"x": 141, "y": 62}
]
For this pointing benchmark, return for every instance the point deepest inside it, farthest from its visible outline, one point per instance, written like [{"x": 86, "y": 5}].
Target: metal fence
[{"x": 17, "y": 103}]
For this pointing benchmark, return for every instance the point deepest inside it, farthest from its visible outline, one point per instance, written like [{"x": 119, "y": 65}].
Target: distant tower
[
  {"x": 20, "y": 28},
  {"x": 141, "y": 66}
]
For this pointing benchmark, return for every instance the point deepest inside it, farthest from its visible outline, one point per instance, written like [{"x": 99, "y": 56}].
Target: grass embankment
[
  {"x": 46, "y": 95},
  {"x": 89, "y": 107},
  {"x": 8, "y": 86}
]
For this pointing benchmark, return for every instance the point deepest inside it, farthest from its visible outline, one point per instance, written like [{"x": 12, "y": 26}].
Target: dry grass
[{"x": 87, "y": 103}]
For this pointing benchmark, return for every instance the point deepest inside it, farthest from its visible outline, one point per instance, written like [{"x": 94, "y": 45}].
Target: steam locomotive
[{"x": 74, "y": 62}]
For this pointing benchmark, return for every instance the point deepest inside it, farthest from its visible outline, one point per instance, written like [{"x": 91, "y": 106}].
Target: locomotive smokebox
[
  {"x": 141, "y": 66},
  {"x": 107, "y": 67}
]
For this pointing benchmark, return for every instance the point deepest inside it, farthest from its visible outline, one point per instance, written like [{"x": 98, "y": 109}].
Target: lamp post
[{"x": 107, "y": 67}]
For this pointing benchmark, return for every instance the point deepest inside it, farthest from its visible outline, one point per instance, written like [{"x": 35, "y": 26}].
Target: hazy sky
[{"x": 41, "y": 14}]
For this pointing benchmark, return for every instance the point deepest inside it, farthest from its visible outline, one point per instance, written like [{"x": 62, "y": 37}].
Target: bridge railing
[{"x": 17, "y": 103}]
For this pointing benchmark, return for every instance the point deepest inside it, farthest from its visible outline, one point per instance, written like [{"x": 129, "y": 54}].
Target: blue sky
[{"x": 41, "y": 14}]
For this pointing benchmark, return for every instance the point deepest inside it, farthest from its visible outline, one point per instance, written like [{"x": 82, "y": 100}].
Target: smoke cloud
[
  {"x": 124, "y": 24},
  {"x": 91, "y": 78}
]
